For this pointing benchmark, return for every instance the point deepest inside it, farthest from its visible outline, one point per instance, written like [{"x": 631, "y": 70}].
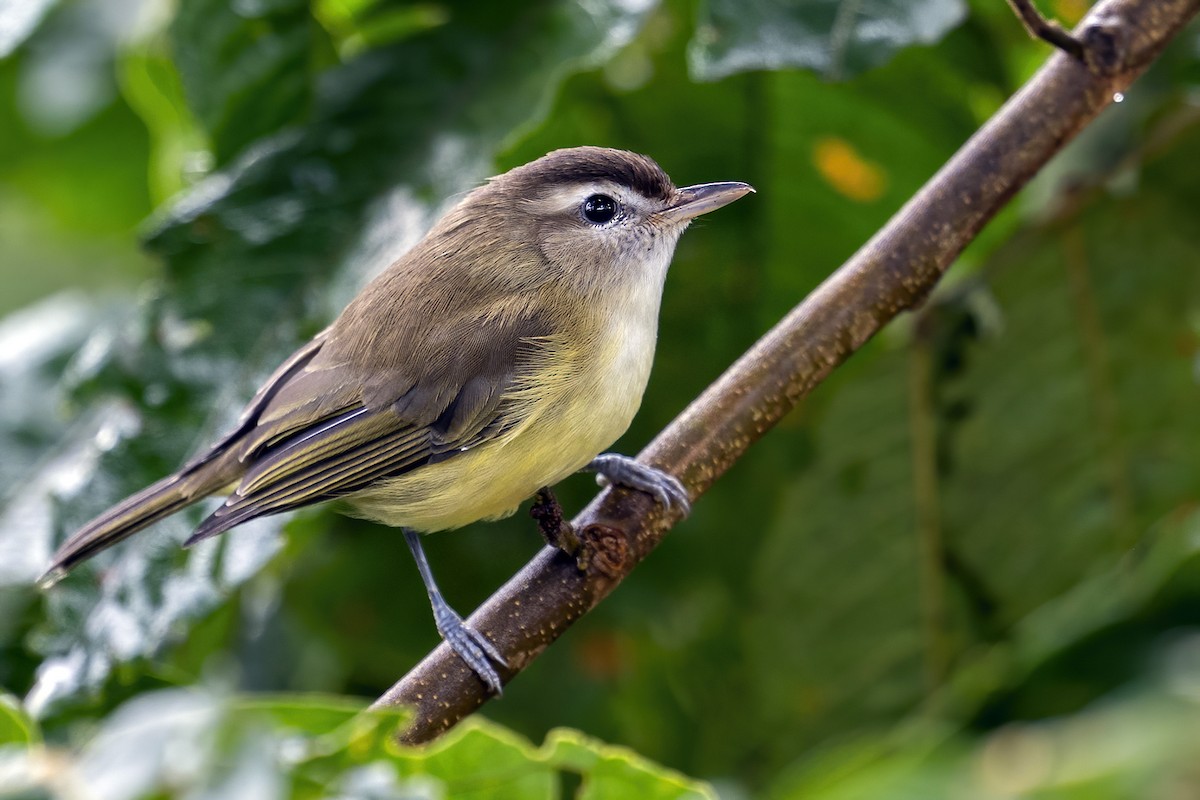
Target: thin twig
[
  {"x": 1046, "y": 29},
  {"x": 892, "y": 272}
]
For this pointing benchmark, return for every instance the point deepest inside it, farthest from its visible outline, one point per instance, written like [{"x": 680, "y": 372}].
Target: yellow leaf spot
[{"x": 848, "y": 172}]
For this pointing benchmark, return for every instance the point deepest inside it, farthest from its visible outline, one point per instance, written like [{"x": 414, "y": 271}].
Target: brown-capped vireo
[{"x": 499, "y": 355}]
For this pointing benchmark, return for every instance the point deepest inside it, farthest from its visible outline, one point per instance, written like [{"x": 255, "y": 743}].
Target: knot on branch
[
  {"x": 1105, "y": 42},
  {"x": 603, "y": 550}
]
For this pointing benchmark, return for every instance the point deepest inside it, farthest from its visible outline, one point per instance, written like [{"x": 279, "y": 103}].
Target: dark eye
[{"x": 599, "y": 209}]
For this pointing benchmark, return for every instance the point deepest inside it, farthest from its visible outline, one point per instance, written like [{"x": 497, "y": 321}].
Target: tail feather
[
  {"x": 213, "y": 471},
  {"x": 159, "y": 500},
  {"x": 217, "y": 523}
]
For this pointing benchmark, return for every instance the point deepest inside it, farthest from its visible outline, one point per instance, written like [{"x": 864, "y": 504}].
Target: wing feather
[
  {"x": 297, "y": 454},
  {"x": 338, "y": 476}
]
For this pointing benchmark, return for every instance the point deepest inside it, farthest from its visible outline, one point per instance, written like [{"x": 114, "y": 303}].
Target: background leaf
[
  {"x": 15, "y": 726},
  {"x": 247, "y": 68},
  {"x": 833, "y": 37}
]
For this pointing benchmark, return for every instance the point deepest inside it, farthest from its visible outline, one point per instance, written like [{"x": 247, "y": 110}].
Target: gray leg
[
  {"x": 623, "y": 470},
  {"x": 470, "y": 645}
]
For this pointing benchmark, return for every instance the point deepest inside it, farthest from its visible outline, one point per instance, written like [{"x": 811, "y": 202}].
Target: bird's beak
[{"x": 692, "y": 201}]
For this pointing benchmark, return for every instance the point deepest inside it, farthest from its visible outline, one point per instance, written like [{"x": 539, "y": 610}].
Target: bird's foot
[
  {"x": 471, "y": 646},
  {"x": 554, "y": 528},
  {"x": 625, "y": 471}
]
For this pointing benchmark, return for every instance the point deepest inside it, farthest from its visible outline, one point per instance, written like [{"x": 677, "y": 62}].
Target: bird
[{"x": 502, "y": 353}]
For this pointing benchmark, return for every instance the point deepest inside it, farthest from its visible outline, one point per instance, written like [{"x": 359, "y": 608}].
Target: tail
[{"x": 159, "y": 500}]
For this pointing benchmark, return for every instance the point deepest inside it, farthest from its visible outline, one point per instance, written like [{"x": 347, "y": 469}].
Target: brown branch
[{"x": 892, "y": 272}]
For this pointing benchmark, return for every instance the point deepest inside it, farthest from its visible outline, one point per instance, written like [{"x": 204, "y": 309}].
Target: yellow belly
[{"x": 487, "y": 482}]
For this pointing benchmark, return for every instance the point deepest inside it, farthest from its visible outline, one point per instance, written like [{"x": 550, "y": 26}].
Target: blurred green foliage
[
  {"x": 202, "y": 742},
  {"x": 965, "y": 567}
]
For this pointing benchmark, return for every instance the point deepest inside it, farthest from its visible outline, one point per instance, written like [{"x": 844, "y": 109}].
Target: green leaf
[
  {"x": 359, "y": 26},
  {"x": 1089, "y": 363},
  {"x": 188, "y": 742},
  {"x": 835, "y": 38},
  {"x": 36, "y": 344},
  {"x": 137, "y": 751},
  {"x": 479, "y": 759},
  {"x": 310, "y": 713},
  {"x": 615, "y": 772},
  {"x": 151, "y": 84},
  {"x": 917, "y": 761},
  {"x": 15, "y": 725},
  {"x": 823, "y": 642},
  {"x": 1094, "y": 638},
  {"x": 1129, "y": 745},
  {"x": 247, "y": 67}
]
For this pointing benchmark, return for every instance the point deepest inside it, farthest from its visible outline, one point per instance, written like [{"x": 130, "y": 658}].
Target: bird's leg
[
  {"x": 470, "y": 645},
  {"x": 554, "y": 529},
  {"x": 625, "y": 471}
]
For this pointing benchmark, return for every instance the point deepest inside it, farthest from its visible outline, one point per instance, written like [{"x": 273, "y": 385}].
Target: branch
[{"x": 893, "y": 272}]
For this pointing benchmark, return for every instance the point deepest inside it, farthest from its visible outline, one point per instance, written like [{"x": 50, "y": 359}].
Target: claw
[
  {"x": 471, "y": 646},
  {"x": 623, "y": 470}
]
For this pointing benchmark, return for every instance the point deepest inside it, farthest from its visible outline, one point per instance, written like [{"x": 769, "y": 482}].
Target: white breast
[{"x": 632, "y": 336}]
